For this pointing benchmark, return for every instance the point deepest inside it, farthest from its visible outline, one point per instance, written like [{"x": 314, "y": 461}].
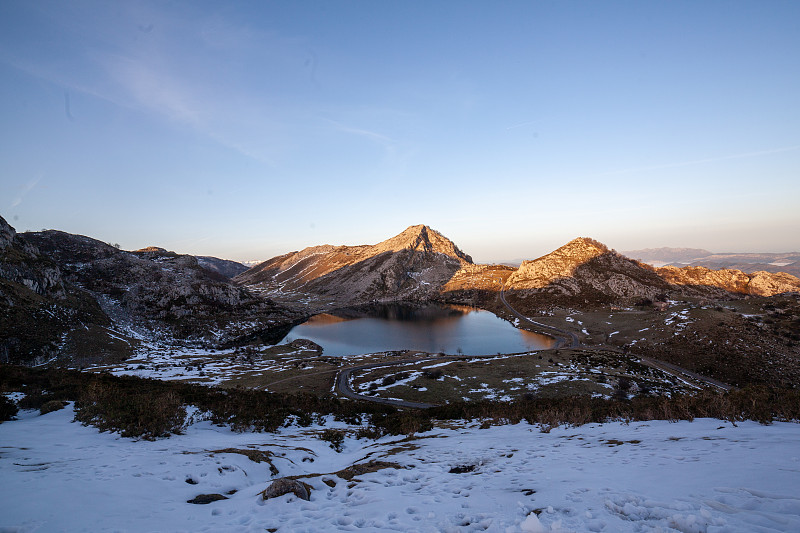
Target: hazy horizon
[{"x": 248, "y": 130}]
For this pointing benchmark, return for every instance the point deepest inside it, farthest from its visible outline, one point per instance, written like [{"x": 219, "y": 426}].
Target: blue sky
[{"x": 249, "y": 129}]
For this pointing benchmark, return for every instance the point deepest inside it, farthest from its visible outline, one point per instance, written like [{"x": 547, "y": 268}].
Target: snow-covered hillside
[{"x": 705, "y": 475}]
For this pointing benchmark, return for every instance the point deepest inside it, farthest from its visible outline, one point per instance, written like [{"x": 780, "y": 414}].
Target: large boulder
[{"x": 285, "y": 485}]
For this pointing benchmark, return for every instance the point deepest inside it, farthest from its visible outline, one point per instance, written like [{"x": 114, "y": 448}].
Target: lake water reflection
[{"x": 431, "y": 328}]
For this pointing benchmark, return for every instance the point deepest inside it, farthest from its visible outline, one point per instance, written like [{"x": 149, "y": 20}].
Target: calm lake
[{"x": 431, "y": 328}]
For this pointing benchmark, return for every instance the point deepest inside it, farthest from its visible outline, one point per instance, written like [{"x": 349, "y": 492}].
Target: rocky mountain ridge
[
  {"x": 582, "y": 272},
  {"x": 50, "y": 281},
  {"x": 718, "y": 283},
  {"x": 162, "y": 291},
  {"x": 224, "y": 267},
  {"x": 39, "y": 309}
]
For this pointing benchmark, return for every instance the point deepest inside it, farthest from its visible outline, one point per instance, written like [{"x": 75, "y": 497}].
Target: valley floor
[{"x": 699, "y": 476}]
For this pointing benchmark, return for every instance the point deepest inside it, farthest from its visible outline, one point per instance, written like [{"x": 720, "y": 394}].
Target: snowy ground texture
[{"x": 696, "y": 476}]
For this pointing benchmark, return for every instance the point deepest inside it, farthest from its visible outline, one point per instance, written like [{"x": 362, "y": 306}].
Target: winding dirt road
[{"x": 343, "y": 384}]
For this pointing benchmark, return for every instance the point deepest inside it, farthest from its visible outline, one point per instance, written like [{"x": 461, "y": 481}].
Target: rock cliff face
[
  {"x": 412, "y": 265},
  {"x": 39, "y": 309},
  {"x": 720, "y": 283},
  {"x": 163, "y": 291},
  {"x": 585, "y": 269},
  {"x": 23, "y": 263}
]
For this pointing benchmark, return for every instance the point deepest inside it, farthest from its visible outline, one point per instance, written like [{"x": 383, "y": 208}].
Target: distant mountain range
[
  {"x": 65, "y": 294},
  {"x": 421, "y": 264},
  {"x": 225, "y": 267},
  {"x": 788, "y": 262}
]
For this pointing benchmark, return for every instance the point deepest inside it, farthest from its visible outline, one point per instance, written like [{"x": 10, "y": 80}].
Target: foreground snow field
[{"x": 705, "y": 475}]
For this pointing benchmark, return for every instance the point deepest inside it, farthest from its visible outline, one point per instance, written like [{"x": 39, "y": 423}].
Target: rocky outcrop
[
  {"x": 413, "y": 265},
  {"x": 771, "y": 283},
  {"x": 720, "y": 283},
  {"x": 560, "y": 264}
]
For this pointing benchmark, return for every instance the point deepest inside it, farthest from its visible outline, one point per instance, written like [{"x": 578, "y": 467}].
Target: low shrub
[
  {"x": 134, "y": 413},
  {"x": 52, "y": 405},
  {"x": 150, "y": 408},
  {"x": 8, "y": 409},
  {"x": 433, "y": 374},
  {"x": 334, "y": 437}
]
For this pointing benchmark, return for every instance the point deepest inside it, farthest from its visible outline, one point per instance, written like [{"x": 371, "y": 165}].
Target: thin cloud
[
  {"x": 153, "y": 89},
  {"x": 143, "y": 84},
  {"x": 28, "y": 188},
  {"x": 703, "y": 161},
  {"x": 522, "y": 124},
  {"x": 372, "y": 135}
]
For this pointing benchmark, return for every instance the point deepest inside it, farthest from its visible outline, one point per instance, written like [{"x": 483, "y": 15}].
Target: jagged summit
[
  {"x": 422, "y": 238},
  {"x": 581, "y": 248},
  {"x": 413, "y": 264}
]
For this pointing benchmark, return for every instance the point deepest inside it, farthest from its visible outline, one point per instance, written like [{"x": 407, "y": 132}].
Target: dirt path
[
  {"x": 562, "y": 336},
  {"x": 268, "y": 385},
  {"x": 685, "y": 374}
]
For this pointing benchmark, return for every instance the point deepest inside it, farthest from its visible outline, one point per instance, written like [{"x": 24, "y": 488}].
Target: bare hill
[{"x": 584, "y": 270}]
